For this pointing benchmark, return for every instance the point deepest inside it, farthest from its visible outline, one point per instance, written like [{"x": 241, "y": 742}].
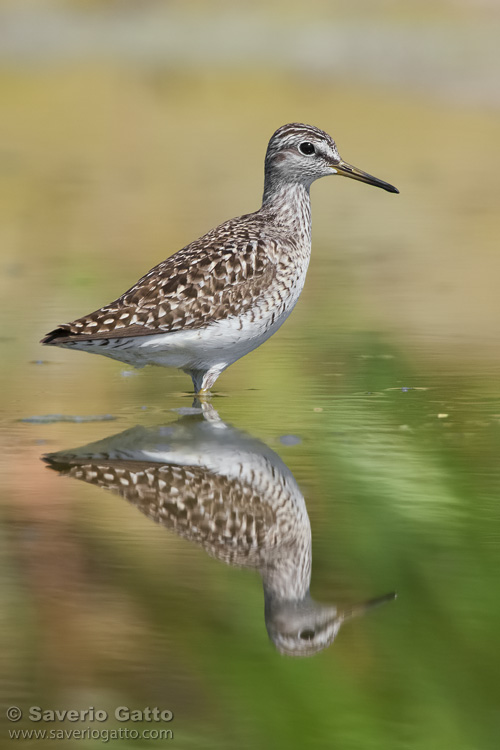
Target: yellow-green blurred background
[{"x": 129, "y": 128}]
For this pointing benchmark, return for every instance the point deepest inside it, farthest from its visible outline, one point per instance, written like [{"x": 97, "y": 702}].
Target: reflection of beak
[
  {"x": 360, "y": 609},
  {"x": 346, "y": 170}
]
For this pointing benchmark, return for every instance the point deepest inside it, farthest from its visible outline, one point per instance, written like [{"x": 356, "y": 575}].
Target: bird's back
[{"x": 223, "y": 274}]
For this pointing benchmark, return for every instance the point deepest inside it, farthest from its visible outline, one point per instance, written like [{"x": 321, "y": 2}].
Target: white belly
[
  {"x": 215, "y": 346},
  {"x": 218, "y": 345},
  {"x": 212, "y": 348}
]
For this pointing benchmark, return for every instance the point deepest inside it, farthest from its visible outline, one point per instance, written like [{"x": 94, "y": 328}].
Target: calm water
[
  {"x": 353, "y": 456},
  {"x": 393, "y": 473}
]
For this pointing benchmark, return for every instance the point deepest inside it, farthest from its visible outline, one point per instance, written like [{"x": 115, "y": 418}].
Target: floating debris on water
[
  {"x": 49, "y": 418},
  {"x": 406, "y": 388},
  {"x": 128, "y": 373},
  {"x": 290, "y": 440}
]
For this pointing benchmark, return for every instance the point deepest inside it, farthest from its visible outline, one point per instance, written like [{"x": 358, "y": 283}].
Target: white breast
[{"x": 215, "y": 346}]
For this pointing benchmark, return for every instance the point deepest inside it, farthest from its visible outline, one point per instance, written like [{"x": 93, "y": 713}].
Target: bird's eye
[
  {"x": 306, "y": 635},
  {"x": 307, "y": 148}
]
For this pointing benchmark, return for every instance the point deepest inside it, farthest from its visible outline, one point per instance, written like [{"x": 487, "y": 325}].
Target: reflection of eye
[
  {"x": 306, "y": 635},
  {"x": 307, "y": 148}
]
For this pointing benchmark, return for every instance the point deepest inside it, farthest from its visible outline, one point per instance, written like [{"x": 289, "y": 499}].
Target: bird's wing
[
  {"x": 218, "y": 276},
  {"x": 229, "y": 518}
]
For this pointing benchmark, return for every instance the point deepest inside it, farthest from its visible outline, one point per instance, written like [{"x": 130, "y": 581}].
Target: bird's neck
[
  {"x": 289, "y": 205},
  {"x": 286, "y": 576}
]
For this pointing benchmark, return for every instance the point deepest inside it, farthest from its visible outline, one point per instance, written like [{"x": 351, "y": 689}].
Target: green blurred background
[{"x": 127, "y": 129}]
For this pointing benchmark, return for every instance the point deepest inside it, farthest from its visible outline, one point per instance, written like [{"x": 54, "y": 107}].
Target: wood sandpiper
[
  {"x": 230, "y": 494},
  {"x": 226, "y": 293}
]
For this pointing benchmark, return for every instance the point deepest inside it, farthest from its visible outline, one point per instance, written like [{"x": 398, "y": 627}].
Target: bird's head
[
  {"x": 302, "y": 628},
  {"x": 303, "y": 153}
]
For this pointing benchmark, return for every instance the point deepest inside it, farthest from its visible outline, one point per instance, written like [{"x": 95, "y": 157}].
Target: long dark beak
[
  {"x": 346, "y": 170},
  {"x": 357, "y": 610}
]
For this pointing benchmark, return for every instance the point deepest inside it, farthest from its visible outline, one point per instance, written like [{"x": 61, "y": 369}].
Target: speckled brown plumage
[
  {"x": 232, "y": 495},
  {"x": 213, "y": 486},
  {"x": 220, "y": 275},
  {"x": 226, "y": 517},
  {"x": 224, "y": 294}
]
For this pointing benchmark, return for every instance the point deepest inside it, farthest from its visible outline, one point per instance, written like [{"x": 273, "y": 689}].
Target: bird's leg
[
  {"x": 210, "y": 376},
  {"x": 197, "y": 376},
  {"x": 203, "y": 397},
  {"x": 207, "y": 410},
  {"x": 203, "y": 380}
]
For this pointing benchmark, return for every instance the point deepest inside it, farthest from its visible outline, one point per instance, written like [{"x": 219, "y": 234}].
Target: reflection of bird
[
  {"x": 229, "y": 493},
  {"x": 226, "y": 293}
]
